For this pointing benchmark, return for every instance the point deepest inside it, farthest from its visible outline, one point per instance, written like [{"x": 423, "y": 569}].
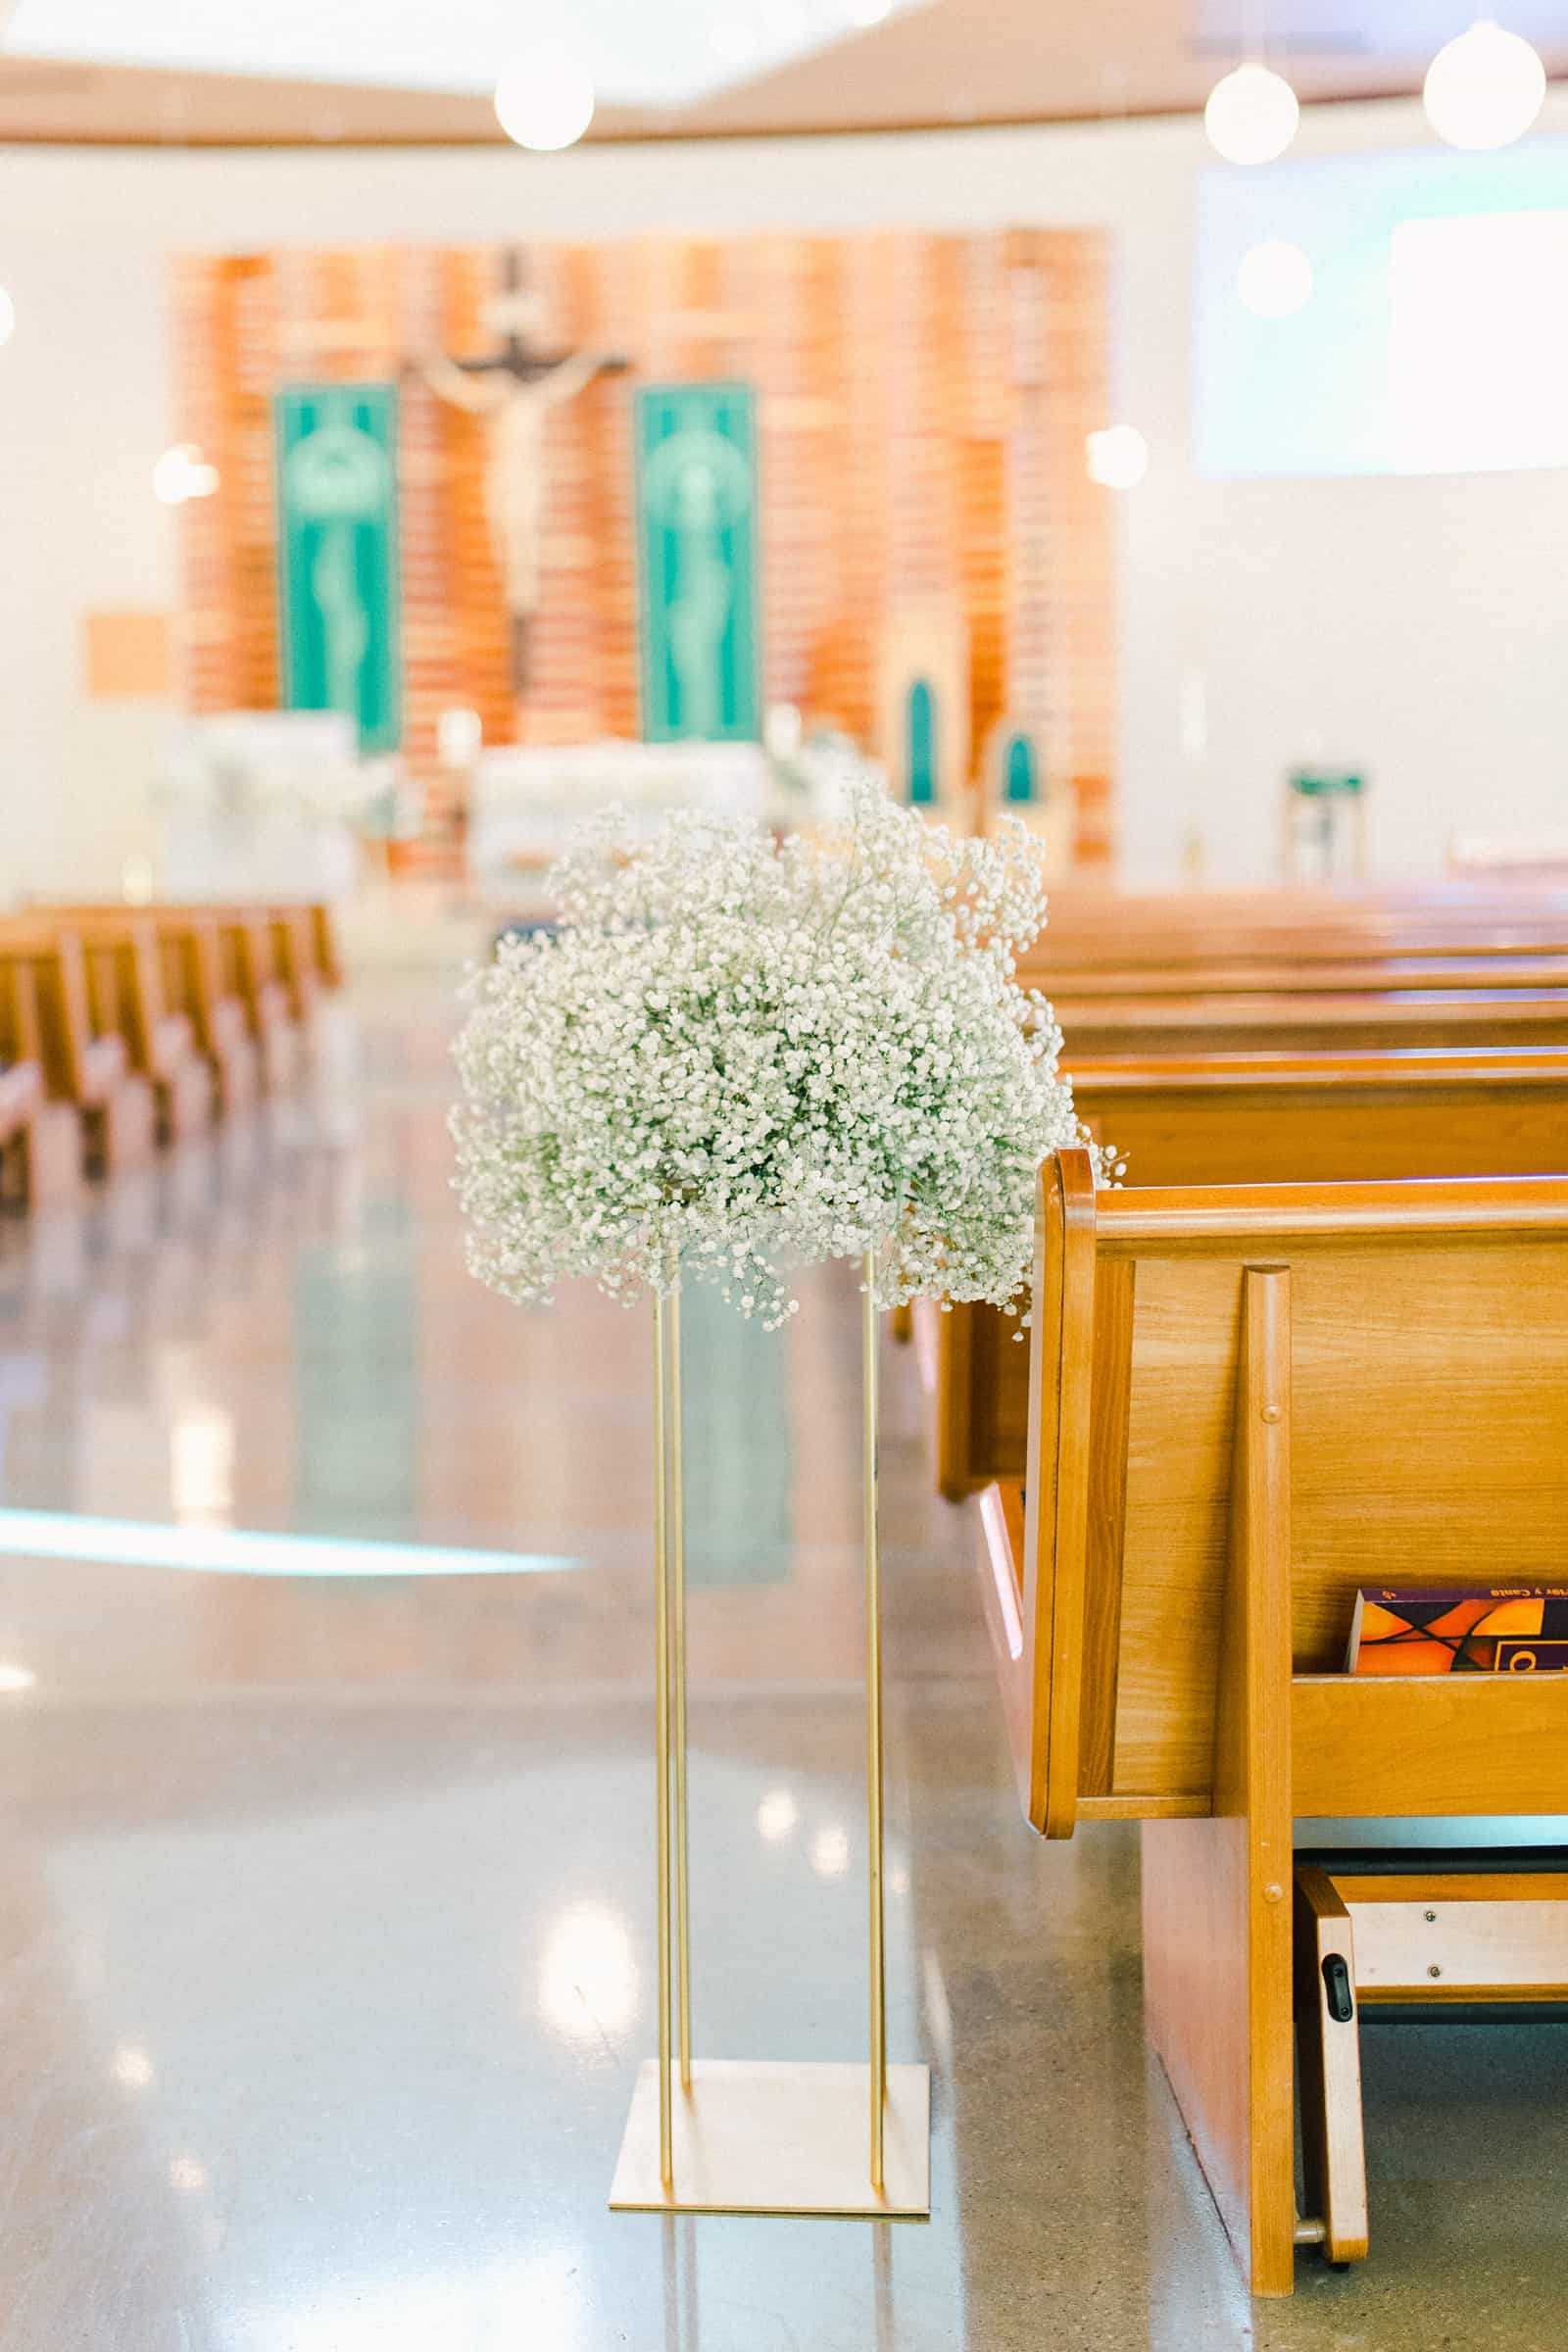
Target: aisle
[{"x": 326, "y": 1953}]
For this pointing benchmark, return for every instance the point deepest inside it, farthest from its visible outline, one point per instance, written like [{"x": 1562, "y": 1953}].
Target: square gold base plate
[{"x": 773, "y": 2138}]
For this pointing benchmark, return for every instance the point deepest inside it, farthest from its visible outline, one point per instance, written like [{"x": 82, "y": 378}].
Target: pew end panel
[
  {"x": 87, "y": 1075},
  {"x": 23, "y": 1124},
  {"x": 52, "y": 1170},
  {"x": 193, "y": 966},
  {"x": 128, "y": 999},
  {"x": 295, "y": 961},
  {"x": 21, "y": 1086},
  {"x": 325, "y": 944},
  {"x": 1247, "y": 1403},
  {"x": 250, "y": 974}
]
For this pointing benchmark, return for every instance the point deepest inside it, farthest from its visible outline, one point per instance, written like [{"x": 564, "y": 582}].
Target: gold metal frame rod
[
  {"x": 661, "y": 1552},
  {"x": 762, "y": 2137},
  {"x": 873, "y": 1730},
  {"x": 677, "y": 1657}
]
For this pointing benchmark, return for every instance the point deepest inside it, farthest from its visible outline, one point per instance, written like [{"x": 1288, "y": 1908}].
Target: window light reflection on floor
[
  {"x": 776, "y": 1815},
  {"x": 245, "y": 1551},
  {"x": 132, "y": 2067},
  {"x": 588, "y": 1978},
  {"x": 830, "y": 1853},
  {"x": 201, "y": 1465}
]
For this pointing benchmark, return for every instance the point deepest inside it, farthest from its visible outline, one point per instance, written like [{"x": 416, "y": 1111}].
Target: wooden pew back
[
  {"x": 1100, "y": 1028},
  {"x": 1304, "y": 974},
  {"x": 1330, "y": 1118},
  {"x": 1108, "y": 931},
  {"x": 1258, "y": 1119}
]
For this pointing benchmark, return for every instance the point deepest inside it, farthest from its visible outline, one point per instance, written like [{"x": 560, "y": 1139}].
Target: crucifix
[{"x": 513, "y": 389}]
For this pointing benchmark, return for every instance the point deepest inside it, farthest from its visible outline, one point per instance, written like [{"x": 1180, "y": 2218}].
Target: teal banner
[
  {"x": 697, "y": 507},
  {"x": 338, "y": 554}
]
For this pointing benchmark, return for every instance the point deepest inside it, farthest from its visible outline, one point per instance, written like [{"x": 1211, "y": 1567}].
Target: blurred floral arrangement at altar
[
  {"x": 737, "y": 1053},
  {"x": 273, "y": 804},
  {"x": 525, "y": 802}
]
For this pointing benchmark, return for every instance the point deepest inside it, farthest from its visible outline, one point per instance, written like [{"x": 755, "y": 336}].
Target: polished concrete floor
[{"x": 326, "y": 1938}]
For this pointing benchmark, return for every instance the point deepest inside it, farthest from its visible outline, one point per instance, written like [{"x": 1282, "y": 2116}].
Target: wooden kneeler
[
  {"x": 1328, "y": 2066},
  {"x": 1432, "y": 1929}
]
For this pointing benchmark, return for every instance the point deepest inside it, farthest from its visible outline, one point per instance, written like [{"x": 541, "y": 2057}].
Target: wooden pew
[
  {"x": 50, "y": 1017},
  {"x": 324, "y": 946},
  {"x": 302, "y": 955},
  {"x": 1248, "y": 1402},
  {"x": 20, "y": 1094},
  {"x": 191, "y": 982},
  {"x": 127, "y": 998},
  {"x": 252, "y": 973},
  {"x": 1256, "y": 1119},
  {"x": 1267, "y": 1118},
  {"x": 191, "y": 954},
  {"x": 40, "y": 1141},
  {"x": 294, "y": 960},
  {"x": 1106, "y": 931},
  {"x": 1293, "y": 975},
  {"x": 1100, "y": 1028}
]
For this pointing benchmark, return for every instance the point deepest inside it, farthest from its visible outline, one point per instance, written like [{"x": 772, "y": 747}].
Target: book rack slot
[{"x": 1384, "y": 1744}]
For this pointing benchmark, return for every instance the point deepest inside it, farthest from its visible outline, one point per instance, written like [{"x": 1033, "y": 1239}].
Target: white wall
[{"x": 1412, "y": 625}]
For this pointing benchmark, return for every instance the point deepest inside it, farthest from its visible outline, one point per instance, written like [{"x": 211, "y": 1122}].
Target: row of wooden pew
[
  {"x": 122, "y": 1028},
  {"x": 1317, "y": 1340}
]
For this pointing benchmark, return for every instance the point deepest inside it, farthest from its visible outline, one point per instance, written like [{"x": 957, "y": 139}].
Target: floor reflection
[{"x": 327, "y": 1954}]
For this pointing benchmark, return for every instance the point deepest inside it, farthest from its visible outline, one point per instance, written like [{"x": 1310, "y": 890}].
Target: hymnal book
[{"x": 1459, "y": 1629}]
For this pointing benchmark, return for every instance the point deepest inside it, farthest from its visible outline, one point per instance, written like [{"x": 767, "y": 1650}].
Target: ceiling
[
  {"x": 639, "y": 52},
  {"x": 418, "y": 72}
]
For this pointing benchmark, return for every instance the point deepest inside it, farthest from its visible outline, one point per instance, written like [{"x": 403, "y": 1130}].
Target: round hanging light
[
  {"x": 8, "y": 316},
  {"x": 1117, "y": 457},
  {"x": 1251, "y": 115},
  {"x": 1485, "y": 88},
  {"x": 183, "y": 474},
  {"x": 545, "y": 98},
  {"x": 1275, "y": 278}
]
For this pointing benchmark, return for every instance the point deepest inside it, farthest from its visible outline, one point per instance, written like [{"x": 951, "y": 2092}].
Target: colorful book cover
[{"x": 1457, "y": 1629}]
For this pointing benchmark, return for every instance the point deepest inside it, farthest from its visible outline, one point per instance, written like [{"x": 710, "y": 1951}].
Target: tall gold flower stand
[{"x": 718, "y": 2136}]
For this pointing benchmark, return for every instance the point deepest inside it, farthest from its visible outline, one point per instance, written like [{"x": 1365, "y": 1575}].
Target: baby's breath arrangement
[{"x": 736, "y": 1054}]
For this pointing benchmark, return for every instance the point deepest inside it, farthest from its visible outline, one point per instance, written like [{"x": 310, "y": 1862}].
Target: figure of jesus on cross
[{"x": 513, "y": 390}]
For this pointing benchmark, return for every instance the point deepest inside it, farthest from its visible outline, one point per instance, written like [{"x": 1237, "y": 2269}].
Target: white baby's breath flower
[{"x": 736, "y": 1054}]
